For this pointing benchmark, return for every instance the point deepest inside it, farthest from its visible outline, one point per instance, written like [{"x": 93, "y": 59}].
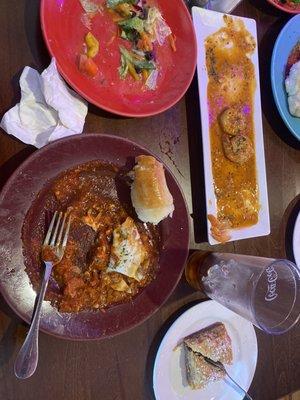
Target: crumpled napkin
[{"x": 48, "y": 108}]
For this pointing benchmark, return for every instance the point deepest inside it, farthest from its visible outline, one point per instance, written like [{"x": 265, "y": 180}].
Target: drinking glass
[
  {"x": 198, "y": 3},
  {"x": 265, "y": 291}
]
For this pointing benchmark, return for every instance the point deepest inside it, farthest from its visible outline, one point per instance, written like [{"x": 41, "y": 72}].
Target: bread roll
[{"x": 150, "y": 195}]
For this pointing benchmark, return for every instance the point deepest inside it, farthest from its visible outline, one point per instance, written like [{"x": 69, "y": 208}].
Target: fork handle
[
  {"x": 247, "y": 396},
  {"x": 27, "y": 359}
]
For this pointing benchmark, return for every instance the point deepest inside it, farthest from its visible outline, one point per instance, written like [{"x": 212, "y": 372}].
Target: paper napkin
[{"x": 48, "y": 108}]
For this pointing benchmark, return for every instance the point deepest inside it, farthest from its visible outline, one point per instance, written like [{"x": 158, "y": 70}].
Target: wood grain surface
[
  {"x": 291, "y": 396},
  {"x": 121, "y": 368}
]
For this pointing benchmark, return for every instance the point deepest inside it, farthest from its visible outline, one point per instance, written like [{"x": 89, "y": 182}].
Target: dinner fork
[
  {"x": 220, "y": 366},
  {"x": 52, "y": 252}
]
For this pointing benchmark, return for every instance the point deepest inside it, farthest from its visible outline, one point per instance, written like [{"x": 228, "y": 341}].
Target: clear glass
[
  {"x": 224, "y": 6},
  {"x": 263, "y": 290},
  {"x": 198, "y": 3},
  {"x": 202, "y": 3}
]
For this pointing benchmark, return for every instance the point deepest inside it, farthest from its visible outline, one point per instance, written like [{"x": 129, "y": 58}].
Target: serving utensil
[
  {"x": 219, "y": 365},
  {"x": 52, "y": 252}
]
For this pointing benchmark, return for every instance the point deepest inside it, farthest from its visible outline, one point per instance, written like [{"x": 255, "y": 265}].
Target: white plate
[
  {"x": 296, "y": 241},
  {"x": 207, "y": 22},
  {"x": 169, "y": 377}
]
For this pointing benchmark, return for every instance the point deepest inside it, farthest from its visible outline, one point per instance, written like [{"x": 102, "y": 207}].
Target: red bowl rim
[
  {"x": 283, "y": 8},
  {"x": 110, "y": 109}
]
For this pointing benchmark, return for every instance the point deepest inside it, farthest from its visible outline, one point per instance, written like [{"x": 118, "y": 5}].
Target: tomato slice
[{"x": 87, "y": 66}]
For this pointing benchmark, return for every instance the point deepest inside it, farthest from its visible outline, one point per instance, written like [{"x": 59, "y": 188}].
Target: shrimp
[
  {"x": 219, "y": 229},
  {"x": 233, "y": 120},
  {"x": 238, "y": 149}
]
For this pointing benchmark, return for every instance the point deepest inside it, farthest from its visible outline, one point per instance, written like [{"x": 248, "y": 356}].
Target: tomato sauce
[
  {"x": 231, "y": 81},
  {"x": 91, "y": 194}
]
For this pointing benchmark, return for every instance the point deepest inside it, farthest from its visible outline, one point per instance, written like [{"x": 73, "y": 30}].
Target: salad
[
  {"x": 141, "y": 27},
  {"x": 294, "y": 4}
]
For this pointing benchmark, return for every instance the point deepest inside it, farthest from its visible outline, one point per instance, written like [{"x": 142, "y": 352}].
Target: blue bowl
[{"x": 287, "y": 39}]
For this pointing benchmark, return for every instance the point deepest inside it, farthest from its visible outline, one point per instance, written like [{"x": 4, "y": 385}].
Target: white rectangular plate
[{"x": 207, "y": 22}]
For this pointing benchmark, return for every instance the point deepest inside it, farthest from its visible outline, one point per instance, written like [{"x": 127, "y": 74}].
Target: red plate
[
  {"x": 16, "y": 198},
  {"x": 64, "y": 35},
  {"x": 284, "y": 7}
]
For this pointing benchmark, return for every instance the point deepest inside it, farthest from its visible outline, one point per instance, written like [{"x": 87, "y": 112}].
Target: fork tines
[{"x": 58, "y": 230}]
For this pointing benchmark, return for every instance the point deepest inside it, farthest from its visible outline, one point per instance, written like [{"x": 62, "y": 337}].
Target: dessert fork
[
  {"x": 52, "y": 252},
  {"x": 220, "y": 366}
]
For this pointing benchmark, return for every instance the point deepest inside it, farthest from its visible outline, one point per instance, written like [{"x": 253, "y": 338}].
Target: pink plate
[
  {"x": 15, "y": 200},
  {"x": 64, "y": 33}
]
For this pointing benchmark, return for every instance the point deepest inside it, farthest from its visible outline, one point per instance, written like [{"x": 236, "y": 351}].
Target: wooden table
[{"x": 121, "y": 368}]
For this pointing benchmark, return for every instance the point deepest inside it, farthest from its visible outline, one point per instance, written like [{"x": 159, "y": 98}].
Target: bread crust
[
  {"x": 212, "y": 342},
  {"x": 150, "y": 195}
]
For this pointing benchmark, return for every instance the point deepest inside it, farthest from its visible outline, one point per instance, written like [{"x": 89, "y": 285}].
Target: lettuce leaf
[
  {"x": 142, "y": 64},
  {"x": 123, "y": 69},
  {"x": 89, "y": 6},
  {"x": 129, "y": 35},
  {"x": 139, "y": 65},
  {"x": 134, "y": 23},
  {"x": 151, "y": 82},
  {"x": 124, "y": 52},
  {"x": 157, "y": 26},
  {"x": 115, "y": 3}
]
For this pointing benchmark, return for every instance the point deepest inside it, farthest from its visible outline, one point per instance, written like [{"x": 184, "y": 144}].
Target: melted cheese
[{"x": 127, "y": 251}]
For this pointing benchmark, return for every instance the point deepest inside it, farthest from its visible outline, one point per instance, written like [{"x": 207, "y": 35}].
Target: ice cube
[{"x": 213, "y": 271}]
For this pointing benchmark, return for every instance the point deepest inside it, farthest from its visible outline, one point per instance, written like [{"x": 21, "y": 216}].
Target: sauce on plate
[
  {"x": 96, "y": 196},
  {"x": 231, "y": 84}
]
